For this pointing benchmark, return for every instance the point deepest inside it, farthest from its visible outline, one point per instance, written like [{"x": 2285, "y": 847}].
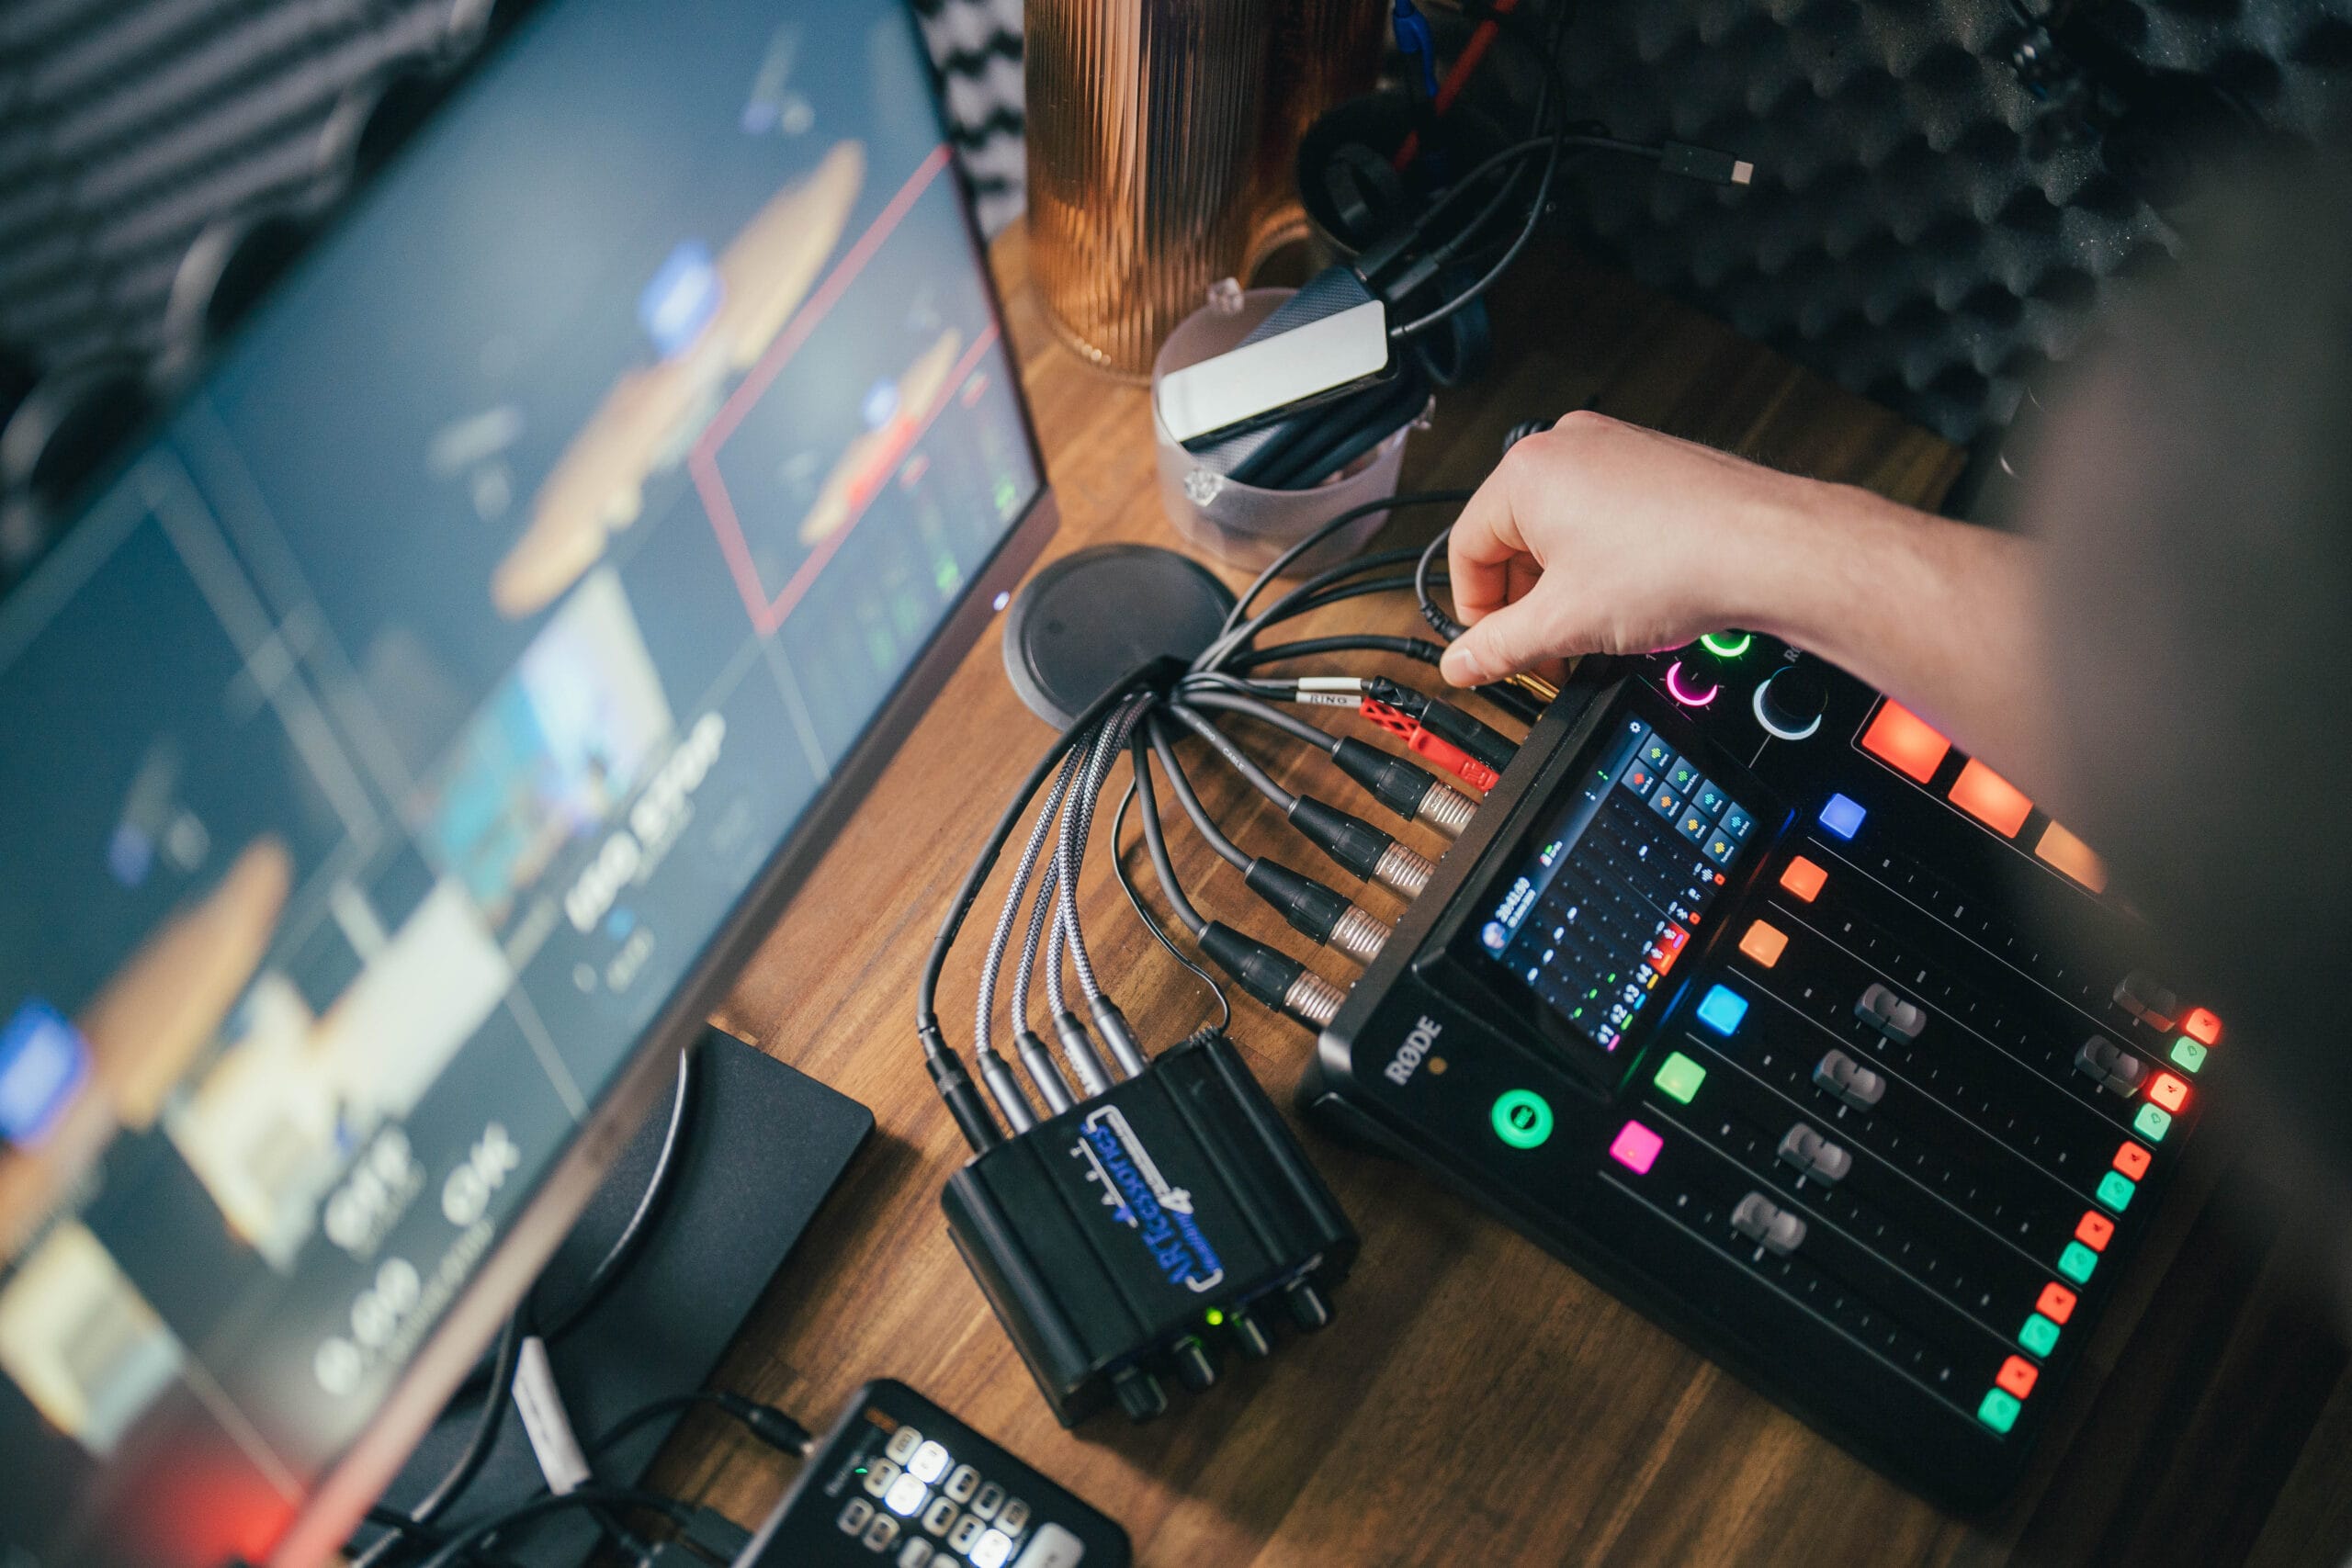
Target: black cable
[
  {"x": 1411, "y": 648},
  {"x": 1440, "y": 621},
  {"x": 1155, "y": 842},
  {"x": 1328, "y": 527},
  {"x": 1535, "y": 210},
  {"x": 1240, "y": 762},
  {"x": 479, "y": 1443},
  {"x": 464, "y": 1541},
  {"x": 650, "y": 1205},
  {"x": 1202, "y": 823},
  {"x": 766, "y": 1423},
  {"x": 1290, "y": 607},
  {"x": 1150, "y": 924},
  {"x": 1263, "y": 712}
]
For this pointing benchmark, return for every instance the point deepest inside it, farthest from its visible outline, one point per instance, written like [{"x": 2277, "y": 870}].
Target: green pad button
[
  {"x": 2038, "y": 1335},
  {"x": 2153, "y": 1122},
  {"x": 1523, "y": 1118},
  {"x": 2115, "y": 1191},
  {"x": 2186, "y": 1055},
  {"x": 2077, "y": 1263},
  {"x": 1999, "y": 1410},
  {"x": 1678, "y": 1076}
]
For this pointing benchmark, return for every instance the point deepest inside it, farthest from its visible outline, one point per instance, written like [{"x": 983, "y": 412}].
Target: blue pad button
[
  {"x": 1842, "y": 816},
  {"x": 1723, "y": 1008}
]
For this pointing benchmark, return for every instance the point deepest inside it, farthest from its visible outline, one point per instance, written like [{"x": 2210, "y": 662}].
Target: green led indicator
[
  {"x": 1679, "y": 1077},
  {"x": 2077, "y": 1263},
  {"x": 1727, "y": 644},
  {"x": 2153, "y": 1122},
  {"x": 1215, "y": 1316},
  {"x": 2038, "y": 1335},
  {"x": 2186, "y": 1055},
  {"x": 2115, "y": 1191},
  {"x": 1523, "y": 1118},
  {"x": 1999, "y": 1410}
]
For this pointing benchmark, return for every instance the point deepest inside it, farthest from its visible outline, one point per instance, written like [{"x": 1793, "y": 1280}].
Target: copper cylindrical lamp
[{"x": 1144, "y": 122}]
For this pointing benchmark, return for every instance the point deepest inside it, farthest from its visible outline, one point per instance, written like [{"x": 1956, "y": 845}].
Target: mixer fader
[{"x": 1742, "y": 995}]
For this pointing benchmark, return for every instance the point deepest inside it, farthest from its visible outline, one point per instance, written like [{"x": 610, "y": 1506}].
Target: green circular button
[{"x": 1523, "y": 1118}]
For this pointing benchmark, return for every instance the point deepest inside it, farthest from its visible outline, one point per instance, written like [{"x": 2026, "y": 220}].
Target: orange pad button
[
  {"x": 2133, "y": 1160},
  {"x": 2201, "y": 1025},
  {"x": 2018, "y": 1375},
  {"x": 1991, "y": 799},
  {"x": 2073, "y": 856},
  {"x": 1804, "y": 879},
  {"x": 1903, "y": 741},
  {"x": 2168, "y": 1091},
  {"x": 1764, "y": 944},
  {"x": 2095, "y": 1231},
  {"x": 2056, "y": 1303}
]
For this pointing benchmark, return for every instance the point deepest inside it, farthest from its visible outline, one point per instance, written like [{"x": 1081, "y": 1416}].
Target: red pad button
[
  {"x": 1991, "y": 799},
  {"x": 1804, "y": 879},
  {"x": 2133, "y": 1160},
  {"x": 2095, "y": 1231},
  {"x": 2201, "y": 1025},
  {"x": 2018, "y": 1375},
  {"x": 2056, "y": 1302},
  {"x": 1903, "y": 740},
  {"x": 2167, "y": 1091}
]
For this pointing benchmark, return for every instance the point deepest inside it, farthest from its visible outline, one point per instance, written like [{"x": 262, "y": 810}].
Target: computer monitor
[{"x": 422, "y": 722}]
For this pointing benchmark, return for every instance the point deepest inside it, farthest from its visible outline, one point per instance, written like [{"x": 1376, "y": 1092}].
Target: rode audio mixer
[{"x": 1729, "y": 997}]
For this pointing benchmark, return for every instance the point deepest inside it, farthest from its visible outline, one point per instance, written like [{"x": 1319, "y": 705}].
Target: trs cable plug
[
  {"x": 1273, "y": 977},
  {"x": 1361, "y": 848}
]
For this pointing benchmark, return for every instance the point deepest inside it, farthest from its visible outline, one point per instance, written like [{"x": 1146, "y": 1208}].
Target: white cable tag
[
  {"x": 1331, "y": 682},
  {"x": 545, "y": 1420}
]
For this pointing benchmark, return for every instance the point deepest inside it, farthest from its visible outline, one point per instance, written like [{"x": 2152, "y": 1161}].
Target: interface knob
[
  {"x": 1791, "y": 703},
  {"x": 1308, "y": 1309},
  {"x": 1250, "y": 1335},
  {"x": 1194, "y": 1367},
  {"x": 1138, "y": 1394}
]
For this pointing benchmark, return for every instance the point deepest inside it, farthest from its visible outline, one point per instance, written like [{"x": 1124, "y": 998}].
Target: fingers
[
  {"x": 1485, "y": 545},
  {"x": 1504, "y": 642}
]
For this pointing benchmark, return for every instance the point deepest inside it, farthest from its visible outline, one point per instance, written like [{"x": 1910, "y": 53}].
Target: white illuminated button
[
  {"x": 963, "y": 1483},
  {"x": 916, "y": 1553},
  {"x": 1015, "y": 1515},
  {"x": 906, "y": 1496},
  {"x": 940, "y": 1515},
  {"x": 1052, "y": 1547},
  {"x": 968, "y": 1530},
  {"x": 903, "y": 1443},
  {"x": 880, "y": 1533},
  {"x": 878, "y": 1476},
  {"x": 929, "y": 1464},
  {"x": 855, "y": 1515},
  {"x": 991, "y": 1549}
]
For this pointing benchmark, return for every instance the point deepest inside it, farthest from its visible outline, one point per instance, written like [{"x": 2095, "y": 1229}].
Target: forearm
[{"x": 1940, "y": 614}]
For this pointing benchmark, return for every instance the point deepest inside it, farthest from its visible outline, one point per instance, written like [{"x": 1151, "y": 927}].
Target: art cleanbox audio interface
[{"x": 1754, "y": 998}]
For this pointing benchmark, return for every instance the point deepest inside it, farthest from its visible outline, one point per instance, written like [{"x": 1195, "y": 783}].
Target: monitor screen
[{"x": 402, "y": 723}]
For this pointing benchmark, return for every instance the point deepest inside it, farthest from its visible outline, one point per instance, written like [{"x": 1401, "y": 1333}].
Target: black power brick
[{"x": 1141, "y": 1233}]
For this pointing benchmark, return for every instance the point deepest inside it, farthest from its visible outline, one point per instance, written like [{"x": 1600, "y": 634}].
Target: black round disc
[{"x": 1097, "y": 614}]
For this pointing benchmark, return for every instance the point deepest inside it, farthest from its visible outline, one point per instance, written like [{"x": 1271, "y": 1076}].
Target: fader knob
[{"x": 1790, "y": 705}]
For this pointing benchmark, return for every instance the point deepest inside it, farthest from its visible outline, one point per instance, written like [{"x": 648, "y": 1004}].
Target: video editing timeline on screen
[
  {"x": 1839, "y": 1120},
  {"x": 407, "y": 737}
]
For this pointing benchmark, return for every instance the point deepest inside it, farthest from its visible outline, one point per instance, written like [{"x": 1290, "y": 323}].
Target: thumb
[{"x": 1505, "y": 642}]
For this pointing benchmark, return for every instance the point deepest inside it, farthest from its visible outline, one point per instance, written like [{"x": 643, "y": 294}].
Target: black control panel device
[
  {"x": 1145, "y": 1232},
  {"x": 900, "y": 1482},
  {"x": 1754, "y": 998}
]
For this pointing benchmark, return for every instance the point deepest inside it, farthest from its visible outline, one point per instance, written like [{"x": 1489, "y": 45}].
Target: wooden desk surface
[{"x": 1476, "y": 1402}]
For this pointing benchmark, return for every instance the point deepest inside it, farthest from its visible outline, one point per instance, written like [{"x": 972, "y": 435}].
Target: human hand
[{"x": 1599, "y": 537}]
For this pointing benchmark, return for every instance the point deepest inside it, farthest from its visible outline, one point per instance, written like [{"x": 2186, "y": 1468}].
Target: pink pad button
[{"x": 1635, "y": 1147}]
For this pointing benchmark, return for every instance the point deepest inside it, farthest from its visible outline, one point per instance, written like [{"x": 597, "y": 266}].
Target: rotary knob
[{"x": 1790, "y": 703}]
